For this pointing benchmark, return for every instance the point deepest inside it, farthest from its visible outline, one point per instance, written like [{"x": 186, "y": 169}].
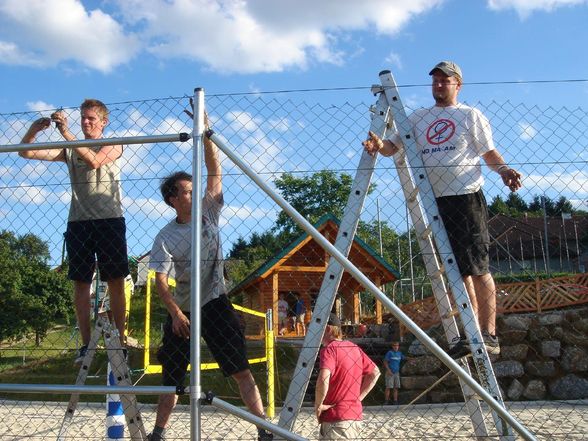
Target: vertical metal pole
[
  {"x": 270, "y": 363},
  {"x": 410, "y": 252},
  {"x": 543, "y": 252},
  {"x": 534, "y": 255},
  {"x": 509, "y": 255},
  {"x": 196, "y": 233},
  {"x": 577, "y": 247},
  {"x": 563, "y": 222},
  {"x": 547, "y": 264},
  {"x": 379, "y": 227},
  {"x": 400, "y": 268},
  {"x": 560, "y": 254}
]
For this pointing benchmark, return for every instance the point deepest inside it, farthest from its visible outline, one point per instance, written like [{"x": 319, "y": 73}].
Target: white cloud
[
  {"x": 244, "y": 212},
  {"x": 528, "y": 132},
  {"x": 38, "y": 33},
  {"x": 28, "y": 194},
  {"x": 579, "y": 204},
  {"x": 394, "y": 60},
  {"x": 263, "y": 35},
  {"x": 10, "y": 53},
  {"x": 225, "y": 35},
  {"x": 148, "y": 207},
  {"x": 39, "y": 106},
  {"x": 524, "y": 8},
  {"x": 575, "y": 183}
]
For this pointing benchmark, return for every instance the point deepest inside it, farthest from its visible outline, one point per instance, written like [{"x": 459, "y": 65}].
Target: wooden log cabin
[{"x": 299, "y": 270}]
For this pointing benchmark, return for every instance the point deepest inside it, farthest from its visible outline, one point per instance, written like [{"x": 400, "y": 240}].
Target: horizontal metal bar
[
  {"x": 259, "y": 422},
  {"x": 86, "y": 390},
  {"x": 127, "y": 140}
]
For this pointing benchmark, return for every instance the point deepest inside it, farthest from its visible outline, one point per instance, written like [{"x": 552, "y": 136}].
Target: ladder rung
[
  {"x": 438, "y": 272},
  {"x": 451, "y": 313},
  {"x": 413, "y": 195},
  {"x": 426, "y": 232}
]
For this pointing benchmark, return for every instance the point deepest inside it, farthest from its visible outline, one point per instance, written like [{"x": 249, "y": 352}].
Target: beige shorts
[
  {"x": 340, "y": 430},
  {"x": 393, "y": 381}
]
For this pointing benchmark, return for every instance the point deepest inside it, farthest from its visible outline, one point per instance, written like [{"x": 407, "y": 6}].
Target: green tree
[
  {"x": 537, "y": 205},
  {"x": 516, "y": 204},
  {"x": 312, "y": 196},
  {"x": 498, "y": 206},
  {"x": 513, "y": 206},
  {"x": 32, "y": 296},
  {"x": 563, "y": 206},
  {"x": 246, "y": 256}
]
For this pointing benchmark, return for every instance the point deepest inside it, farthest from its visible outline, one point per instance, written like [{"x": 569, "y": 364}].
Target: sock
[{"x": 158, "y": 434}]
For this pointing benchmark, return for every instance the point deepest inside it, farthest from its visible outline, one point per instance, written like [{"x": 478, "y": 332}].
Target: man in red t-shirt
[{"x": 346, "y": 376}]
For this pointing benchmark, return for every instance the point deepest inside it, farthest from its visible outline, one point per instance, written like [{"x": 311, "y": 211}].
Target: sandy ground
[{"x": 20, "y": 420}]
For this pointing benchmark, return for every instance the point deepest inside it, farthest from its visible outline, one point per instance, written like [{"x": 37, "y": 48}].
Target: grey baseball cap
[{"x": 449, "y": 68}]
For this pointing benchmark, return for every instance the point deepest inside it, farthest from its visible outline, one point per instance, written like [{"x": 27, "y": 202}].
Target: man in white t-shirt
[{"x": 452, "y": 138}]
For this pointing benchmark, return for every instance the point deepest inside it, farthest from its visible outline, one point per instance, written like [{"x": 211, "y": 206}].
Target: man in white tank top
[{"x": 96, "y": 231}]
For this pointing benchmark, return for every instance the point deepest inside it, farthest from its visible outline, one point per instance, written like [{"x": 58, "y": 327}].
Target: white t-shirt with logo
[{"x": 451, "y": 140}]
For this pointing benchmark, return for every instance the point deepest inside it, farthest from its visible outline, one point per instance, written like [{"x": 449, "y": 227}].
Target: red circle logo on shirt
[{"x": 440, "y": 131}]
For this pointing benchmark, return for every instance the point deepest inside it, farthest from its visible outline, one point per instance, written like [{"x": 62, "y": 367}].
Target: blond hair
[
  {"x": 91, "y": 103},
  {"x": 335, "y": 331}
]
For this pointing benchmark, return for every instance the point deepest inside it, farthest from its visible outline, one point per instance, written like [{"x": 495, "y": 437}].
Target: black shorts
[
  {"x": 224, "y": 337},
  {"x": 102, "y": 240},
  {"x": 466, "y": 220}
]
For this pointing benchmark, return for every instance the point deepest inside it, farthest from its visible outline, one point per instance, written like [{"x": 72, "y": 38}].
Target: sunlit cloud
[
  {"x": 524, "y": 8},
  {"x": 527, "y": 131}
]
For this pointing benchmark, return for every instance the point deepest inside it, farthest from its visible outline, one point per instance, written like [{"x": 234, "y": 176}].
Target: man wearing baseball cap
[
  {"x": 346, "y": 376},
  {"x": 452, "y": 138}
]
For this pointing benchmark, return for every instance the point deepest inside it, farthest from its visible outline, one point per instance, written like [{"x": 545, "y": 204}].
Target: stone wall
[{"x": 544, "y": 356}]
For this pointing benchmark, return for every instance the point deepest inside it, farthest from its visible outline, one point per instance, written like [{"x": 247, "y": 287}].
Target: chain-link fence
[{"x": 309, "y": 151}]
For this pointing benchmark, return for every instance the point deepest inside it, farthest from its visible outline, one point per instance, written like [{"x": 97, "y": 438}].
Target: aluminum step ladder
[
  {"x": 331, "y": 281},
  {"x": 439, "y": 259},
  {"x": 106, "y": 329}
]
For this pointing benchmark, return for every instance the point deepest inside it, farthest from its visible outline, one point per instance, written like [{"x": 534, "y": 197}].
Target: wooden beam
[
  {"x": 306, "y": 269},
  {"x": 378, "y": 303},
  {"x": 275, "y": 295}
]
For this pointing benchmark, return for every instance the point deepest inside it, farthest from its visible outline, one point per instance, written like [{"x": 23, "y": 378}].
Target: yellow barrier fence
[{"x": 268, "y": 358}]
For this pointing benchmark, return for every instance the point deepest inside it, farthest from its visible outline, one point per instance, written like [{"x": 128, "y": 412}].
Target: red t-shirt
[{"x": 347, "y": 364}]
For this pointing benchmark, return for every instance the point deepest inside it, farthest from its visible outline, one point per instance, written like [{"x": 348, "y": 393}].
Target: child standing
[{"x": 392, "y": 361}]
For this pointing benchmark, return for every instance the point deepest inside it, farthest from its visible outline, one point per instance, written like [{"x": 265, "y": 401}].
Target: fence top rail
[
  {"x": 580, "y": 279},
  {"x": 127, "y": 140}
]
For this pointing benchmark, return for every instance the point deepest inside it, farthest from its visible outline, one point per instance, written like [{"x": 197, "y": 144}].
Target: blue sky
[
  {"x": 60, "y": 51},
  {"x": 56, "y": 53}
]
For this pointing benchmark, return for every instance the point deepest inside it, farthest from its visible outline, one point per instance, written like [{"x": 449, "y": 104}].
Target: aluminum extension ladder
[
  {"x": 430, "y": 233},
  {"x": 388, "y": 112},
  {"x": 105, "y": 328}
]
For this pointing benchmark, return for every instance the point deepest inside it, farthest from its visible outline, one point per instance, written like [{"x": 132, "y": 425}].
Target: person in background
[
  {"x": 282, "y": 315},
  {"x": 299, "y": 316},
  {"x": 346, "y": 376},
  {"x": 392, "y": 361}
]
